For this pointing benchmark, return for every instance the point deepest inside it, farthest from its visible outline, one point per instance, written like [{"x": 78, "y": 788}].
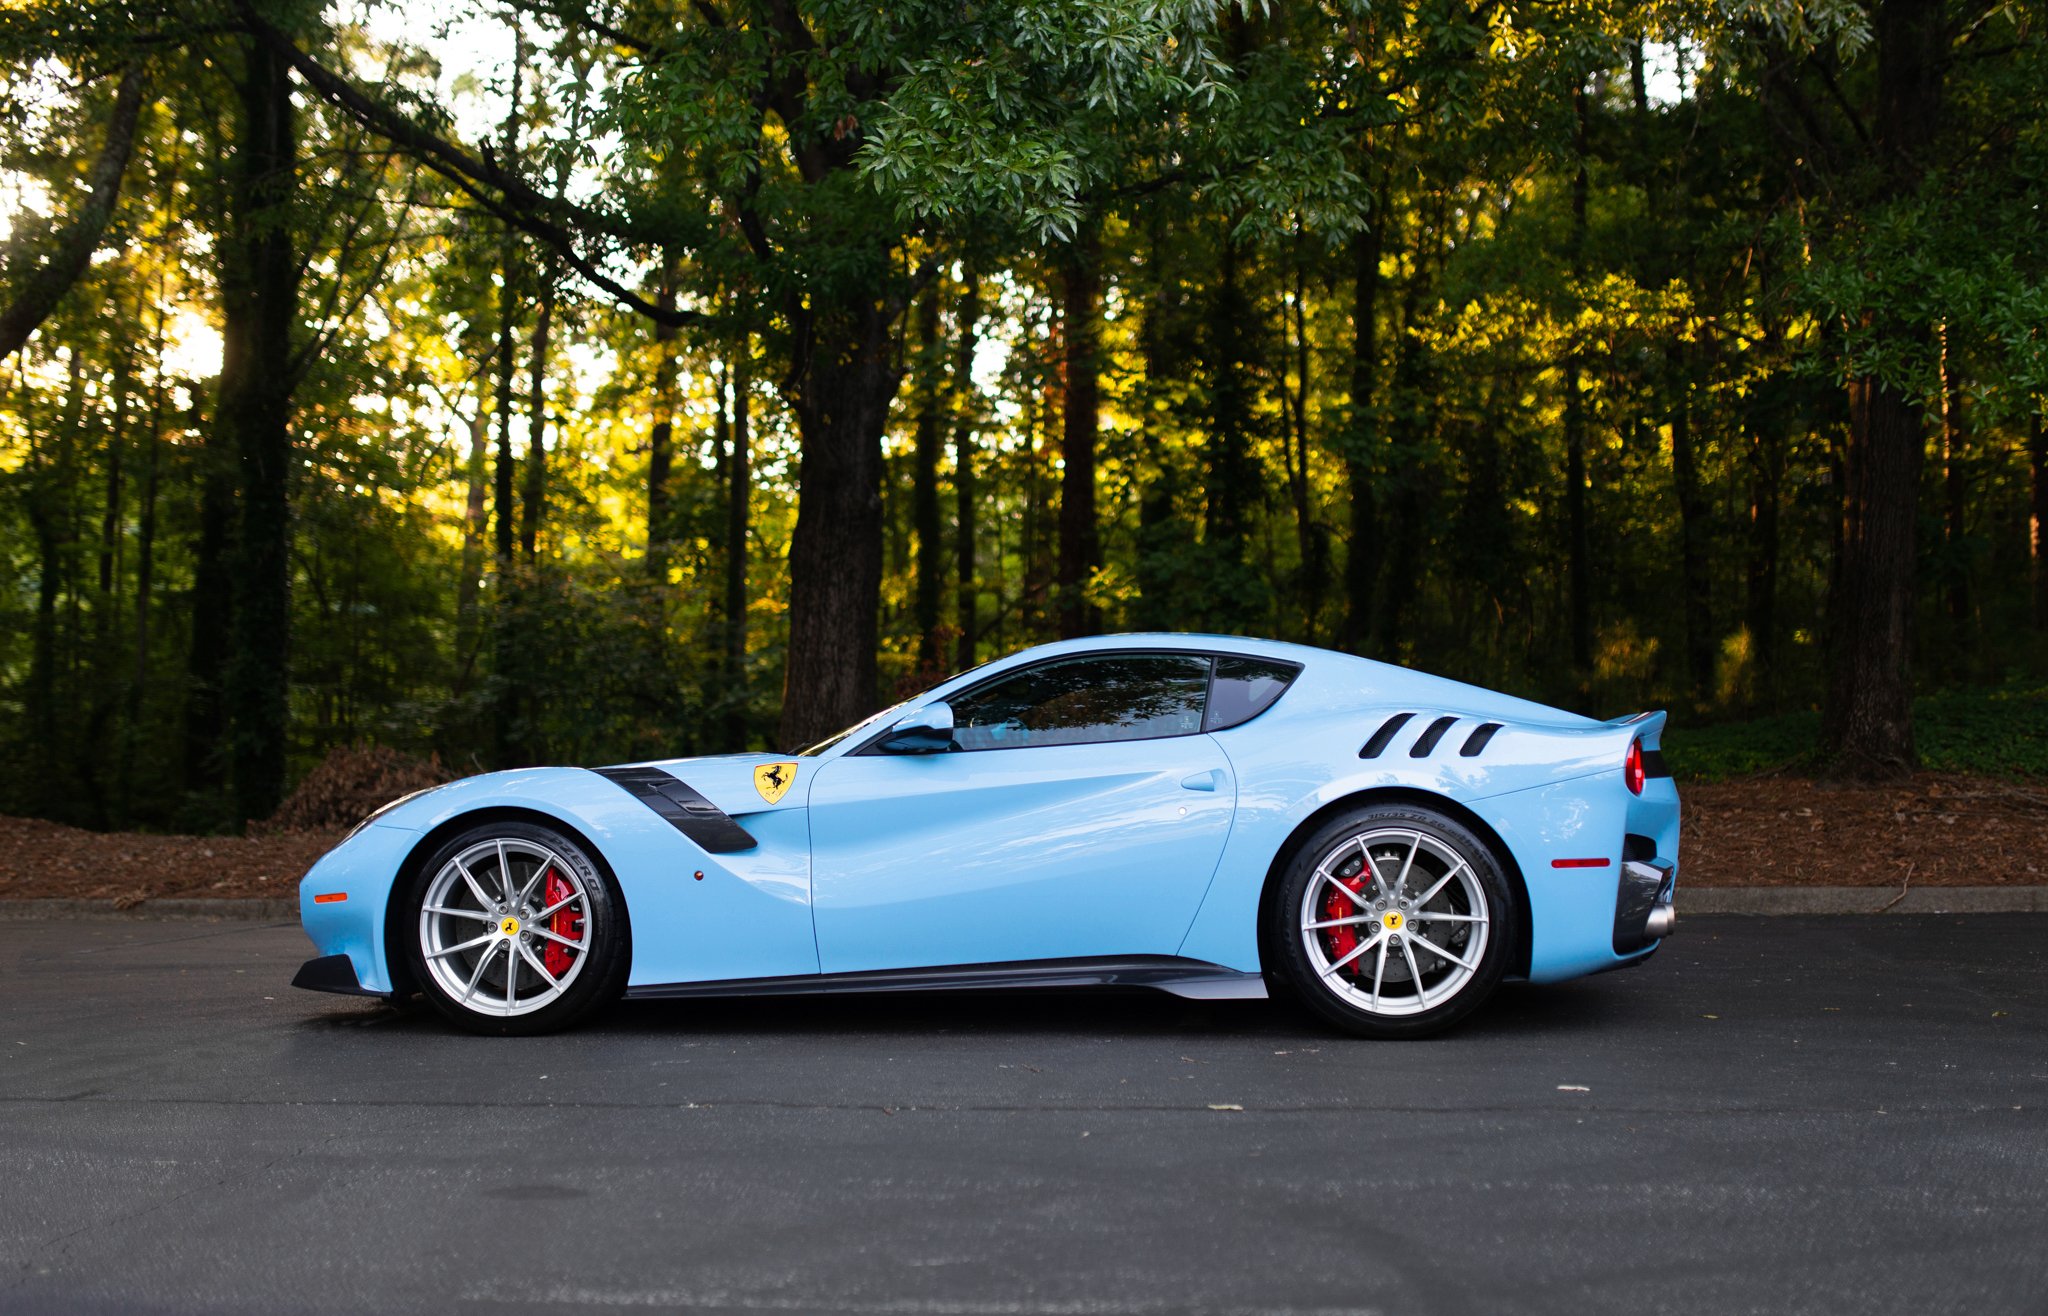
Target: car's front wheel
[
  {"x": 1393, "y": 921},
  {"x": 515, "y": 929}
]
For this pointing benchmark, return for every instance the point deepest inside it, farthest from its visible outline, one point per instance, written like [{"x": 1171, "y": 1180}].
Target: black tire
[
  {"x": 601, "y": 967},
  {"x": 1339, "y": 992}
]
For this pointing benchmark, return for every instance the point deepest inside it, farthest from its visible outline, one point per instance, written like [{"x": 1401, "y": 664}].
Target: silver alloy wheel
[
  {"x": 483, "y": 917},
  {"x": 1395, "y": 921}
]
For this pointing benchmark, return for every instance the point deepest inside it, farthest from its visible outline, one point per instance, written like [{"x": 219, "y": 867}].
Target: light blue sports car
[{"x": 1205, "y": 815}]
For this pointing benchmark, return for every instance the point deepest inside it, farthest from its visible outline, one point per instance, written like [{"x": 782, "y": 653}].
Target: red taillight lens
[{"x": 1632, "y": 767}]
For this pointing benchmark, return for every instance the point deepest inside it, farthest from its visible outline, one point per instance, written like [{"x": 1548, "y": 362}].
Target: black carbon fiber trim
[
  {"x": 1653, "y": 763},
  {"x": 1476, "y": 742},
  {"x": 685, "y": 810},
  {"x": 1159, "y": 972},
  {"x": 1425, "y": 744},
  {"x": 1383, "y": 735}
]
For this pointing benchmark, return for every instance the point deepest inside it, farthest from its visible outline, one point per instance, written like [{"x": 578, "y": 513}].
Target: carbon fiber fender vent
[
  {"x": 1476, "y": 742},
  {"x": 1382, "y": 737},
  {"x": 1425, "y": 744},
  {"x": 683, "y": 807}
]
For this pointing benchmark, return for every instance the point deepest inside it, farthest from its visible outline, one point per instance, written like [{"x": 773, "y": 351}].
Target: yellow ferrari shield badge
[{"x": 773, "y": 780}]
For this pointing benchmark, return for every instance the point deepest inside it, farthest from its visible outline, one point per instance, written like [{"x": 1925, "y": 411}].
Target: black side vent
[
  {"x": 1425, "y": 744},
  {"x": 685, "y": 809},
  {"x": 1653, "y": 763},
  {"x": 1476, "y": 742},
  {"x": 1384, "y": 735}
]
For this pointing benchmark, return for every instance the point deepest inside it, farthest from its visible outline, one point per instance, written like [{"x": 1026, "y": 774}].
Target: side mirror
[{"x": 927, "y": 731}]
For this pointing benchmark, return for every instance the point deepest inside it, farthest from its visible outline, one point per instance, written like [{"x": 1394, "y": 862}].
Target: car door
[{"x": 1081, "y": 812}]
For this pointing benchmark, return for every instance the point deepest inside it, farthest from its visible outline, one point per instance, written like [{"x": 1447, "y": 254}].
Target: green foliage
[{"x": 1999, "y": 731}]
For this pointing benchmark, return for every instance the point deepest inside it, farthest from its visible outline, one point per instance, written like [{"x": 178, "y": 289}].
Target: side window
[
  {"x": 1086, "y": 700},
  {"x": 1245, "y": 688}
]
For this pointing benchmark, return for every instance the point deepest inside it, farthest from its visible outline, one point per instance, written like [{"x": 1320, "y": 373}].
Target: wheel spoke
[
  {"x": 538, "y": 873},
  {"x": 565, "y": 900},
  {"x": 477, "y": 974},
  {"x": 475, "y": 888},
  {"x": 1340, "y": 922},
  {"x": 453, "y": 950},
  {"x": 1421, "y": 992},
  {"x": 477, "y": 914},
  {"x": 543, "y": 932},
  {"x": 1401, "y": 883},
  {"x": 1426, "y": 896},
  {"x": 1431, "y": 916},
  {"x": 533, "y": 960},
  {"x": 504, "y": 871},
  {"x": 1435, "y": 949},
  {"x": 1362, "y": 948},
  {"x": 511, "y": 976},
  {"x": 1372, "y": 869},
  {"x": 1379, "y": 974}
]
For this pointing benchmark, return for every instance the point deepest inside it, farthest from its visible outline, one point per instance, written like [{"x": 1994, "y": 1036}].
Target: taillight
[{"x": 1632, "y": 767}]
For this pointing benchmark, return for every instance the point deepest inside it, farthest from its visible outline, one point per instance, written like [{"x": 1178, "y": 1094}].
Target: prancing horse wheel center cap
[
  {"x": 1392, "y": 920},
  {"x": 509, "y": 926}
]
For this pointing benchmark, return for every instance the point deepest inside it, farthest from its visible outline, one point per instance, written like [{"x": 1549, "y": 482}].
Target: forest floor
[{"x": 1937, "y": 830}]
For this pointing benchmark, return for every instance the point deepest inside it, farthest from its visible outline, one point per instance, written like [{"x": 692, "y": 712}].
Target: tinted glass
[
  {"x": 1086, "y": 700},
  {"x": 1245, "y": 688}
]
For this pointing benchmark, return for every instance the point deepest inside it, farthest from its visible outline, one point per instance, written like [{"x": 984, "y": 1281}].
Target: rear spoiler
[{"x": 1648, "y": 728}]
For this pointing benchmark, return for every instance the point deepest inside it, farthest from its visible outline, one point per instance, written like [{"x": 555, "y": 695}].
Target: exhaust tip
[{"x": 1662, "y": 920}]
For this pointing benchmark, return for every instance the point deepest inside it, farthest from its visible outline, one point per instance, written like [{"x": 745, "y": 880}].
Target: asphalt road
[{"x": 1774, "y": 1115}]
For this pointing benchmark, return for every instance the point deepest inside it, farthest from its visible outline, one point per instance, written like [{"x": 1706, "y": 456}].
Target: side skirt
[{"x": 1193, "y": 979}]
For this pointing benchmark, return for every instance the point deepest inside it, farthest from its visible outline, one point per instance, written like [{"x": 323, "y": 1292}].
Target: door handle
[{"x": 1202, "y": 781}]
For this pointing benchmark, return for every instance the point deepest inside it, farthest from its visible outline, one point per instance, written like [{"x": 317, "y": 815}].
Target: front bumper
[
  {"x": 1645, "y": 907},
  {"x": 331, "y": 973}
]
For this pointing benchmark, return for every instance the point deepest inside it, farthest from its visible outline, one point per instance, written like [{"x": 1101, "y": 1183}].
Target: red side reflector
[
  {"x": 1579, "y": 863},
  {"x": 330, "y": 898}
]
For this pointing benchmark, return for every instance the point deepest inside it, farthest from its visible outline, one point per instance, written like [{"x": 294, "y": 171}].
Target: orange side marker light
[{"x": 330, "y": 897}]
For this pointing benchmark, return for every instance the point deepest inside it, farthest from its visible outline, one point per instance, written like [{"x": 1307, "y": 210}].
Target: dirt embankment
[{"x": 1933, "y": 831}]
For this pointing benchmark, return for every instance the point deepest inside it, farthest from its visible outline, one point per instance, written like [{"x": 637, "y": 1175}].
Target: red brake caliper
[
  {"x": 1343, "y": 940},
  {"x": 564, "y": 922}
]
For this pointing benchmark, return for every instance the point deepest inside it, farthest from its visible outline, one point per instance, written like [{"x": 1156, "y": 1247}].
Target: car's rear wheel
[
  {"x": 516, "y": 929},
  {"x": 1393, "y": 921}
]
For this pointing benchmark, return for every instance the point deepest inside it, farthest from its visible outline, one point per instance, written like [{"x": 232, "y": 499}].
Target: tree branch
[
  {"x": 75, "y": 246},
  {"x": 517, "y": 202}
]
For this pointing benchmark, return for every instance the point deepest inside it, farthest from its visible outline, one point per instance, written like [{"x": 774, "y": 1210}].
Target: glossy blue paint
[
  {"x": 1014, "y": 854},
  {"x": 1055, "y": 851},
  {"x": 750, "y": 916}
]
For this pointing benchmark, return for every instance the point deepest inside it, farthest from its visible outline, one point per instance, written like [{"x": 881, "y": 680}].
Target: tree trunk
[
  {"x": 533, "y": 498},
  {"x": 78, "y": 240},
  {"x": 1163, "y": 537},
  {"x": 2037, "y": 471},
  {"x": 739, "y": 489},
  {"x": 1578, "y": 545},
  {"x": 475, "y": 518},
  {"x": 259, "y": 280},
  {"x": 965, "y": 414},
  {"x": 1955, "y": 493},
  {"x": 145, "y": 585},
  {"x": 1233, "y": 475},
  {"x": 1867, "y": 714},
  {"x": 1693, "y": 512},
  {"x": 841, "y": 400},
  {"x": 1080, "y": 551},
  {"x": 1308, "y": 544},
  {"x": 924, "y": 483},
  {"x": 110, "y": 512},
  {"x": 1362, "y": 553},
  {"x": 661, "y": 438},
  {"x": 1766, "y": 472}
]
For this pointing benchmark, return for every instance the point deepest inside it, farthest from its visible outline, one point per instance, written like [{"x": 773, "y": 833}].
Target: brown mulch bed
[
  {"x": 44, "y": 860},
  {"x": 1933, "y": 831},
  {"x": 1936, "y": 830}
]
